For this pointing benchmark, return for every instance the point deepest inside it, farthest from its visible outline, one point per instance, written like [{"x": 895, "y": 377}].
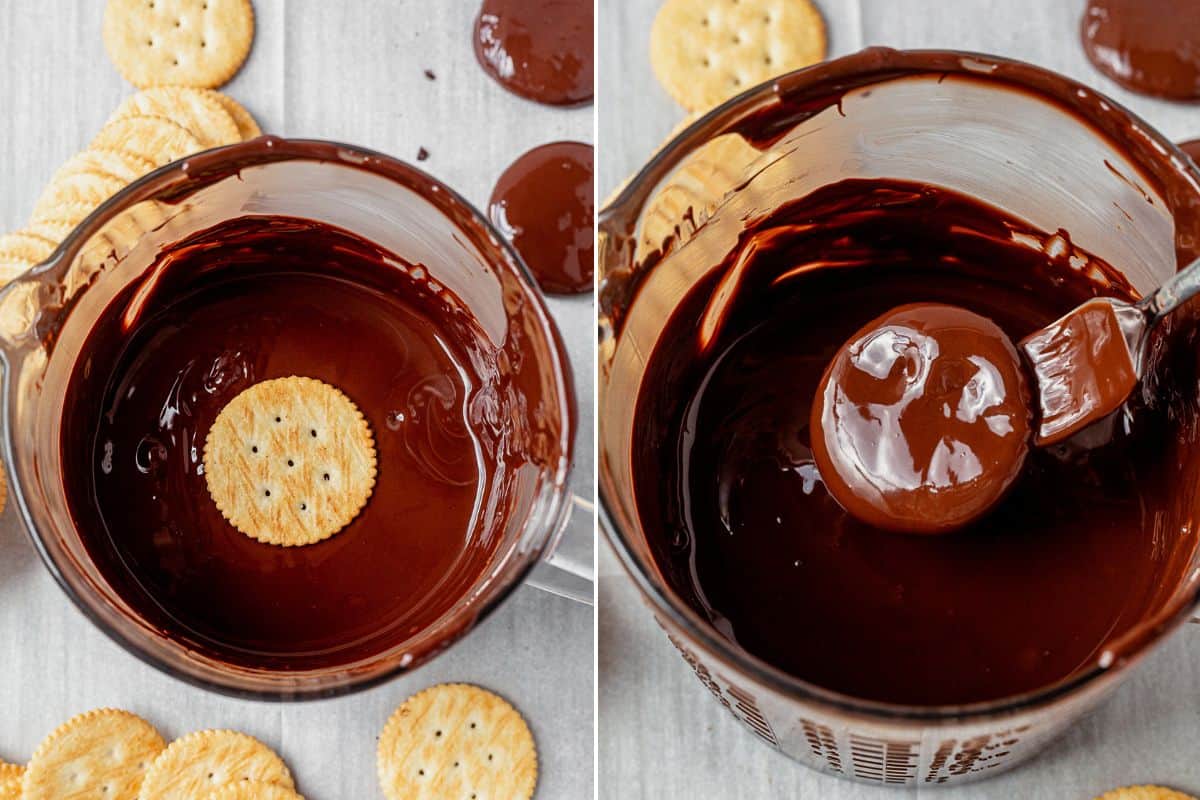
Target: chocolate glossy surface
[
  {"x": 1086, "y": 546},
  {"x": 1083, "y": 371},
  {"x": 1149, "y": 46},
  {"x": 539, "y": 49},
  {"x": 544, "y": 203},
  {"x": 920, "y": 423},
  {"x": 260, "y": 298}
]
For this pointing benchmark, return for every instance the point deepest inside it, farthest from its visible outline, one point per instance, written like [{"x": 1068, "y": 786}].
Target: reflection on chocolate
[
  {"x": 544, "y": 204},
  {"x": 921, "y": 422},
  {"x": 1083, "y": 548},
  {"x": 539, "y": 49},
  {"x": 1149, "y": 46},
  {"x": 1083, "y": 371},
  {"x": 266, "y": 297}
]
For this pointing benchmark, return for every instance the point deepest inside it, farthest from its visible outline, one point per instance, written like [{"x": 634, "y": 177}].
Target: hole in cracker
[
  {"x": 325, "y": 476},
  {"x": 266, "y": 492},
  {"x": 178, "y": 23},
  {"x": 304, "y": 507},
  {"x": 489, "y": 756},
  {"x": 472, "y": 726},
  {"x": 706, "y": 62},
  {"x": 313, "y": 432},
  {"x": 437, "y": 733},
  {"x": 420, "y": 772},
  {"x": 291, "y": 463},
  {"x": 254, "y": 449},
  {"x": 279, "y": 419},
  {"x": 203, "y": 43},
  {"x": 175, "y": 62}
]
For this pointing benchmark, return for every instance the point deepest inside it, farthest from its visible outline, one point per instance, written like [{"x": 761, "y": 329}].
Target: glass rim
[{"x": 839, "y": 74}]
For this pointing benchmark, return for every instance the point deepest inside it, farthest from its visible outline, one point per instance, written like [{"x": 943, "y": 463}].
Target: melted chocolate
[
  {"x": 538, "y": 49},
  {"x": 1192, "y": 148},
  {"x": 1148, "y": 46},
  {"x": 266, "y": 297},
  {"x": 1082, "y": 368},
  {"x": 920, "y": 423},
  {"x": 1085, "y": 547},
  {"x": 544, "y": 204}
]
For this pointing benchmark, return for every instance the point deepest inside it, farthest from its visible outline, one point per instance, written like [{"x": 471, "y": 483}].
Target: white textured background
[
  {"x": 661, "y": 734},
  {"x": 351, "y": 71}
]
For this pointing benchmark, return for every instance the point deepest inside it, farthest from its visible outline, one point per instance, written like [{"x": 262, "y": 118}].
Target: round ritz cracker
[
  {"x": 706, "y": 51},
  {"x": 10, "y": 781},
  {"x": 246, "y": 124},
  {"x": 1144, "y": 793},
  {"x": 254, "y": 790},
  {"x": 199, "y": 43},
  {"x": 205, "y": 762},
  {"x": 103, "y": 753},
  {"x": 290, "y": 461},
  {"x": 25, "y": 246},
  {"x": 194, "y": 109},
  {"x": 65, "y": 214},
  {"x": 76, "y": 183},
  {"x": 457, "y": 740},
  {"x": 157, "y": 139}
]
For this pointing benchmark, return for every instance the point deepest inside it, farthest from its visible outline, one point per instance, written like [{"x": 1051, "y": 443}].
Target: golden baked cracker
[
  {"x": 254, "y": 790},
  {"x": 706, "y": 51},
  {"x": 69, "y": 213},
  {"x": 1144, "y": 793},
  {"x": 12, "y": 267},
  {"x": 457, "y": 740},
  {"x": 53, "y": 229},
  {"x": 10, "y": 775},
  {"x": 290, "y": 461},
  {"x": 103, "y": 753},
  {"x": 246, "y": 124},
  {"x": 120, "y": 164},
  {"x": 25, "y": 246},
  {"x": 205, "y": 761},
  {"x": 156, "y": 139},
  {"x": 194, "y": 109},
  {"x": 81, "y": 185},
  {"x": 200, "y": 43}
]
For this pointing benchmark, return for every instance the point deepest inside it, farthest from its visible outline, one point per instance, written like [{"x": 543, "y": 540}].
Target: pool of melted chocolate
[
  {"x": 268, "y": 297},
  {"x": 1090, "y": 542}
]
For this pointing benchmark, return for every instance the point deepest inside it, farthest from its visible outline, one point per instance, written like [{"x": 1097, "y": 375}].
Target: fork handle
[{"x": 1183, "y": 285}]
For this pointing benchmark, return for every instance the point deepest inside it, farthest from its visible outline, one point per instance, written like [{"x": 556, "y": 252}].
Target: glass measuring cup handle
[{"x": 569, "y": 570}]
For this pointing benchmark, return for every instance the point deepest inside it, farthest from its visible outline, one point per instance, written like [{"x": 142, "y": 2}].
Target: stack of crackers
[
  {"x": 117, "y": 755},
  {"x": 177, "y": 52},
  {"x": 704, "y": 53},
  {"x": 449, "y": 741}
]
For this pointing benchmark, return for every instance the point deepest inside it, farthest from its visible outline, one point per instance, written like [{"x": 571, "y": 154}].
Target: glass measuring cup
[
  {"x": 1041, "y": 147},
  {"x": 48, "y": 314}
]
